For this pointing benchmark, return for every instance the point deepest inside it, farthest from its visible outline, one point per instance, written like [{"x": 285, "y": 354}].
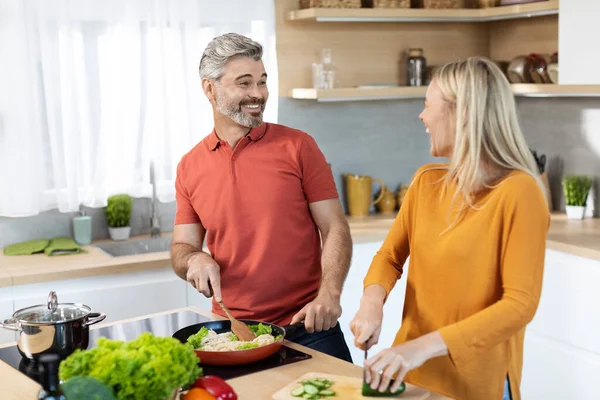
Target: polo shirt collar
[{"x": 254, "y": 135}]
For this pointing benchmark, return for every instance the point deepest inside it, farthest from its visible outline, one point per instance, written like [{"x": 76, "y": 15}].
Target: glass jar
[{"x": 416, "y": 68}]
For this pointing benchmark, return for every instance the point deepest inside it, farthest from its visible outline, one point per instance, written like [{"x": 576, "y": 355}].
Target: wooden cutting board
[{"x": 347, "y": 388}]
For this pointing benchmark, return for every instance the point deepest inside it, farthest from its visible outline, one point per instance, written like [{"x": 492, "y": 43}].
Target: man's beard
[{"x": 234, "y": 111}]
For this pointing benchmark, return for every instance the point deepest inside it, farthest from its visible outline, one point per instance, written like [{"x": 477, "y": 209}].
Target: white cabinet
[
  {"x": 119, "y": 296},
  {"x": 6, "y": 311},
  {"x": 562, "y": 351},
  {"x": 553, "y": 370},
  {"x": 569, "y": 309},
  {"x": 578, "y": 31},
  {"x": 352, "y": 293}
]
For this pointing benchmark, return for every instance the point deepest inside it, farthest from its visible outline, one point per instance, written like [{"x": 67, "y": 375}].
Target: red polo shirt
[{"x": 253, "y": 202}]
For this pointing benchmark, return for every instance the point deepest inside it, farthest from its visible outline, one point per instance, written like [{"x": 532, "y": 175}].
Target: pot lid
[{"x": 52, "y": 313}]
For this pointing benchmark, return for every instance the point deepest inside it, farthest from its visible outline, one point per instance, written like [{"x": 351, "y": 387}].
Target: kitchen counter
[
  {"x": 581, "y": 238},
  {"x": 258, "y": 386}
]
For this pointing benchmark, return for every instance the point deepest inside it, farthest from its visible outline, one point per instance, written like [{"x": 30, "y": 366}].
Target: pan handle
[
  {"x": 290, "y": 329},
  {"x": 10, "y": 324}
]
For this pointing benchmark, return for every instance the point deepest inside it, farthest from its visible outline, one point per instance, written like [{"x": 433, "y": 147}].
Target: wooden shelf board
[
  {"x": 389, "y": 93},
  {"x": 424, "y": 15}
]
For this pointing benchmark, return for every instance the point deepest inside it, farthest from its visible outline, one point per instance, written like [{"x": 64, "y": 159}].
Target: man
[{"x": 263, "y": 196}]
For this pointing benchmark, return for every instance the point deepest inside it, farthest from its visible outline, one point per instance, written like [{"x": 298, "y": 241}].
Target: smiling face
[
  {"x": 440, "y": 122},
  {"x": 241, "y": 93}
]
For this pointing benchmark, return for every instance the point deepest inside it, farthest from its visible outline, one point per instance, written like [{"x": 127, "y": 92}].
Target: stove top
[{"x": 161, "y": 325}]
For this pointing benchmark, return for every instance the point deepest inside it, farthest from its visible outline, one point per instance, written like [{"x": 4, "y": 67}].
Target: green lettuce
[
  {"x": 148, "y": 368},
  {"x": 196, "y": 338},
  {"x": 246, "y": 346},
  {"x": 261, "y": 329}
]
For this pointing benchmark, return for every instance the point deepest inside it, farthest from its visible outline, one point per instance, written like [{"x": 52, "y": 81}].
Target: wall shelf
[
  {"x": 424, "y": 15},
  {"x": 393, "y": 93}
]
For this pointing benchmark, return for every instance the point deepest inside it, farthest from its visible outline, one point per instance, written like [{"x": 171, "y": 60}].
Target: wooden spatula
[{"x": 241, "y": 330}]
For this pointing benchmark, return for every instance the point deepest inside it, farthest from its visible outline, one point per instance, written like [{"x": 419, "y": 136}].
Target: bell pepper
[
  {"x": 216, "y": 386},
  {"x": 198, "y": 394}
]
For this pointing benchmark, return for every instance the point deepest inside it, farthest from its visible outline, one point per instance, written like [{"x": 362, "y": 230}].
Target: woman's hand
[
  {"x": 366, "y": 325},
  {"x": 395, "y": 362}
]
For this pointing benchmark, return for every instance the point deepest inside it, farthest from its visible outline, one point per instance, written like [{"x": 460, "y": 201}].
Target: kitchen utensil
[
  {"x": 52, "y": 328},
  {"x": 540, "y": 161},
  {"x": 241, "y": 330},
  {"x": 518, "y": 70},
  {"x": 538, "y": 69},
  {"x": 387, "y": 205},
  {"x": 359, "y": 193},
  {"x": 346, "y": 388},
  {"x": 235, "y": 357}
]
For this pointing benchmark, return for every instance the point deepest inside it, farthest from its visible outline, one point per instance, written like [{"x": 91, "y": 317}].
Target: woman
[{"x": 475, "y": 229}]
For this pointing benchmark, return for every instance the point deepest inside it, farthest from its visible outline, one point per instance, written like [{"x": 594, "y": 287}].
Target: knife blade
[{"x": 364, "y": 373}]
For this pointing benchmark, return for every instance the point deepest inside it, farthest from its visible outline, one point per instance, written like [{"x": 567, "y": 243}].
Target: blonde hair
[{"x": 487, "y": 128}]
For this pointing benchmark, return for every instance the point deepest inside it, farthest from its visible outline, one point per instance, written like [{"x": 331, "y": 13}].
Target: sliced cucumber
[
  {"x": 298, "y": 392},
  {"x": 327, "y": 393},
  {"x": 316, "y": 383},
  {"x": 310, "y": 389},
  {"x": 308, "y": 396}
]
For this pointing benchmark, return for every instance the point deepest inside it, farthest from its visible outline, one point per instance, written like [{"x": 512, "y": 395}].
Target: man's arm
[
  {"x": 187, "y": 241},
  {"x": 323, "y": 312},
  {"x": 192, "y": 264},
  {"x": 337, "y": 245}
]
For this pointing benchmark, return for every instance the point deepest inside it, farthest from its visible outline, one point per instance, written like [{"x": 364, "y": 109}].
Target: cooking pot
[{"x": 52, "y": 328}]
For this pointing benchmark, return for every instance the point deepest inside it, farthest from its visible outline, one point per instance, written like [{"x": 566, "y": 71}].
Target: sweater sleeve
[
  {"x": 526, "y": 223},
  {"x": 388, "y": 262}
]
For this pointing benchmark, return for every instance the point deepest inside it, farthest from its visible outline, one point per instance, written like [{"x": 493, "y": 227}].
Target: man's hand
[
  {"x": 204, "y": 274},
  {"x": 321, "y": 314}
]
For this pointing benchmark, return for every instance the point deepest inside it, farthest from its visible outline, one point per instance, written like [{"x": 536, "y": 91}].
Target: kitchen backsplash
[{"x": 384, "y": 139}]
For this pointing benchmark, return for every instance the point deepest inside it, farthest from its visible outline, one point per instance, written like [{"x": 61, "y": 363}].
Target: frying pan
[{"x": 235, "y": 357}]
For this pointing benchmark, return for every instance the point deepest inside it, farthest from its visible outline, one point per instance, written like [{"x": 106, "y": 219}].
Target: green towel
[
  {"x": 62, "y": 246},
  {"x": 26, "y": 248}
]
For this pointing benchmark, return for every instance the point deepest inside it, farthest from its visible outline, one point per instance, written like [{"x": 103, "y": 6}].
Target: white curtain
[{"x": 91, "y": 91}]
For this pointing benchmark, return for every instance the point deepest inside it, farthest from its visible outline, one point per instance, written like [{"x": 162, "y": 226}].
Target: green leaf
[
  {"x": 118, "y": 210},
  {"x": 576, "y": 189},
  {"x": 261, "y": 329},
  {"x": 148, "y": 367},
  {"x": 196, "y": 339}
]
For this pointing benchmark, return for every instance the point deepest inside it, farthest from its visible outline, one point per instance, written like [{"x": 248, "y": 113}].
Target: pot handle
[
  {"x": 94, "y": 319},
  {"x": 10, "y": 324}
]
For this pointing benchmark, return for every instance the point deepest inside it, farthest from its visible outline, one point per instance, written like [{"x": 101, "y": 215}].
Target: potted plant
[
  {"x": 576, "y": 189},
  {"x": 118, "y": 214}
]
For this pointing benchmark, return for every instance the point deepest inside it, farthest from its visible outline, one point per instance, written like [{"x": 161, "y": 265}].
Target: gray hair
[{"x": 223, "y": 48}]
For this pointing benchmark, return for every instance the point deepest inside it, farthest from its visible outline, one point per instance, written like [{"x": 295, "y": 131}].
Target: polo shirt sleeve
[
  {"x": 317, "y": 179},
  {"x": 185, "y": 213}
]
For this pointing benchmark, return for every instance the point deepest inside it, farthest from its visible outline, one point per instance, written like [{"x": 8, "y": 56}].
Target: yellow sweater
[{"x": 479, "y": 283}]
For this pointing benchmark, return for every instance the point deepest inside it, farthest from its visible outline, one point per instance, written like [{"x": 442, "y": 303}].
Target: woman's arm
[{"x": 385, "y": 270}]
